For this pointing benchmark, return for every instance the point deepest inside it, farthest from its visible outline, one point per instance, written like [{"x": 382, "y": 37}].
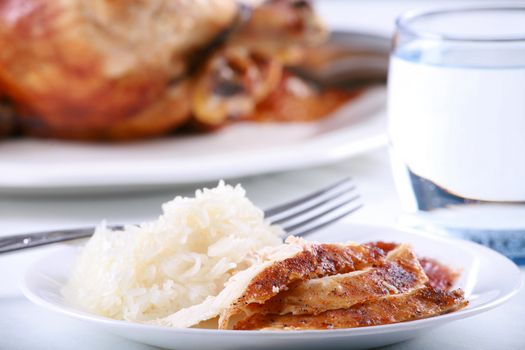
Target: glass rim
[{"x": 403, "y": 23}]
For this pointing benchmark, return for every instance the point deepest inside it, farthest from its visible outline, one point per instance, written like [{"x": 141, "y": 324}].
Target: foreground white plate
[
  {"x": 488, "y": 279},
  {"x": 238, "y": 150}
]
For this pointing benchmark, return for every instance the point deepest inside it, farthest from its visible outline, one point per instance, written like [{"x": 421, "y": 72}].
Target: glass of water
[{"x": 457, "y": 123}]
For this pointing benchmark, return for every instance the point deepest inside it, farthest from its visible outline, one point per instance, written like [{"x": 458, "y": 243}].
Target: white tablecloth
[{"x": 25, "y": 326}]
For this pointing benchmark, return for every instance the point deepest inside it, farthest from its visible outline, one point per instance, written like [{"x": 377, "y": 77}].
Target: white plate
[
  {"x": 488, "y": 279},
  {"x": 238, "y": 150}
]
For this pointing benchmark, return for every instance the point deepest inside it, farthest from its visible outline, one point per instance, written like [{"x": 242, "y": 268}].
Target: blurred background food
[{"x": 120, "y": 70}]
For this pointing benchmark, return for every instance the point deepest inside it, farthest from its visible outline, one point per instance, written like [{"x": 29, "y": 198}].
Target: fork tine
[
  {"x": 326, "y": 223},
  {"x": 313, "y": 206},
  {"x": 314, "y": 218},
  {"x": 283, "y": 207}
]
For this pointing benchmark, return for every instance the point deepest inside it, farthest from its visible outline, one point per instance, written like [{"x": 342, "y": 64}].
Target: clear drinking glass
[{"x": 457, "y": 123}]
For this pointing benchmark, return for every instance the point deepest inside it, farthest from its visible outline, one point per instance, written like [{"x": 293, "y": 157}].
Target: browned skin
[
  {"x": 400, "y": 273},
  {"x": 102, "y": 68},
  {"x": 111, "y": 69},
  {"x": 231, "y": 83},
  {"x": 420, "y": 303},
  {"x": 439, "y": 275},
  {"x": 384, "y": 246},
  {"x": 316, "y": 260},
  {"x": 245, "y": 79}
]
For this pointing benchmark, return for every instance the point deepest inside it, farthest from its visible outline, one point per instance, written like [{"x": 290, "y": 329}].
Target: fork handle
[{"x": 30, "y": 240}]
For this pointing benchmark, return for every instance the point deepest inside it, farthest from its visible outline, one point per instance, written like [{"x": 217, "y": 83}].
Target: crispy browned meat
[
  {"x": 309, "y": 285},
  {"x": 420, "y": 303},
  {"x": 399, "y": 273},
  {"x": 439, "y": 275},
  {"x": 106, "y": 69},
  {"x": 78, "y": 68},
  {"x": 231, "y": 84},
  {"x": 316, "y": 260},
  {"x": 245, "y": 79},
  {"x": 341, "y": 286},
  {"x": 384, "y": 246}
]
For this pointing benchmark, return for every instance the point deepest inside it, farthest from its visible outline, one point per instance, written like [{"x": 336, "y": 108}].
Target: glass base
[
  {"x": 498, "y": 225},
  {"x": 509, "y": 242}
]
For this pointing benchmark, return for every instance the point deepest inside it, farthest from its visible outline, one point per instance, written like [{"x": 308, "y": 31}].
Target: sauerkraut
[{"x": 152, "y": 270}]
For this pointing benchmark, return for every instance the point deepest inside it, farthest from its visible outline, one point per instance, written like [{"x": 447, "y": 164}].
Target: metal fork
[{"x": 298, "y": 217}]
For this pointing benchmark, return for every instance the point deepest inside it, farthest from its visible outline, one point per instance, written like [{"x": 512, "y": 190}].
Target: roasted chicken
[
  {"x": 312, "y": 262},
  {"x": 419, "y": 303},
  {"x": 399, "y": 273},
  {"x": 307, "y": 285},
  {"x": 125, "y": 69},
  {"x": 84, "y": 69}
]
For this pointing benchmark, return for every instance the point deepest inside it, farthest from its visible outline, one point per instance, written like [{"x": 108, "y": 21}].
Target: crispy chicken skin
[
  {"x": 310, "y": 285},
  {"x": 439, "y": 276},
  {"x": 420, "y": 303},
  {"x": 76, "y": 69},
  {"x": 128, "y": 69},
  {"x": 400, "y": 273},
  {"x": 231, "y": 84},
  {"x": 246, "y": 79},
  {"x": 340, "y": 286},
  {"x": 314, "y": 261}
]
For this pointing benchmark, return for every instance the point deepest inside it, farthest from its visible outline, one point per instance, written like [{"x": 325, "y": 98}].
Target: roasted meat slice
[
  {"x": 314, "y": 261},
  {"x": 400, "y": 273},
  {"x": 280, "y": 267},
  {"x": 421, "y": 303},
  {"x": 439, "y": 275},
  {"x": 309, "y": 285}
]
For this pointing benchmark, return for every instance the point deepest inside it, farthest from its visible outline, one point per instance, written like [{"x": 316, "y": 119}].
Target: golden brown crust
[
  {"x": 341, "y": 286},
  {"x": 316, "y": 260},
  {"x": 384, "y": 246},
  {"x": 421, "y": 303},
  {"x": 104, "y": 70},
  {"x": 400, "y": 273},
  {"x": 231, "y": 83},
  {"x": 244, "y": 80},
  {"x": 82, "y": 68},
  {"x": 168, "y": 113}
]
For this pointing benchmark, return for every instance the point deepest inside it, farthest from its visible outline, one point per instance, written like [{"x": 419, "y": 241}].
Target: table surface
[{"x": 25, "y": 326}]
